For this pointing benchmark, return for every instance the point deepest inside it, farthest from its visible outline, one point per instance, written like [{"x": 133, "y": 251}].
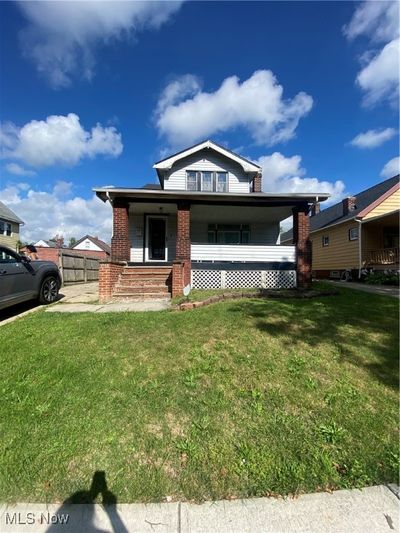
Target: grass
[
  {"x": 243, "y": 398},
  {"x": 196, "y": 295}
]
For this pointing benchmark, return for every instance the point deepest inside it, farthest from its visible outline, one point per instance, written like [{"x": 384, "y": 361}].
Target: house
[
  {"x": 93, "y": 246},
  {"x": 9, "y": 227},
  {"x": 360, "y": 231},
  {"x": 205, "y": 225},
  {"x": 88, "y": 246}
]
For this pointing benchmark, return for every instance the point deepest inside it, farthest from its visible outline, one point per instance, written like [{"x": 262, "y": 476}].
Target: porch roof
[{"x": 262, "y": 198}]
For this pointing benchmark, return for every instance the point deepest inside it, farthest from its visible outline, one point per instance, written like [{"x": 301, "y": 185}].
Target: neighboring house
[
  {"x": 93, "y": 245},
  {"x": 360, "y": 231},
  {"x": 208, "y": 225},
  {"x": 9, "y": 227},
  {"x": 49, "y": 250}
]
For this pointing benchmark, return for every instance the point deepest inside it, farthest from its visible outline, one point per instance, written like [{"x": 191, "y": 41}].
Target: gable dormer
[{"x": 209, "y": 167}]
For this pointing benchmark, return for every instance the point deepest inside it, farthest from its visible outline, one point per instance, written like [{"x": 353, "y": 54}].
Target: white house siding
[
  {"x": 87, "y": 244},
  {"x": 238, "y": 180},
  {"x": 136, "y": 235}
]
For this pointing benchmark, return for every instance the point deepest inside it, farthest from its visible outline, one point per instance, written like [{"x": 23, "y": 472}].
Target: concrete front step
[
  {"x": 150, "y": 282},
  {"x": 147, "y": 271},
  {"x": 141, "y": 296},
  {"x": 133, "y": 289}
]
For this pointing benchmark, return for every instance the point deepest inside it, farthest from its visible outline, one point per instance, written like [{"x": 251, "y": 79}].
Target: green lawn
[{"x": 241, "y": 398}]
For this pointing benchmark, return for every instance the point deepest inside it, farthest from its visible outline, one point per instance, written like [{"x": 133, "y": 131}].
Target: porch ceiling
[
  {"x": 250, "y": 199},
  {"x": 388, "y": 219}
]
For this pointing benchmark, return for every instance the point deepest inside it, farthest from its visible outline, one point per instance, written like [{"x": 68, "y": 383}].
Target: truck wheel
[{"x": 48, "y": 290}]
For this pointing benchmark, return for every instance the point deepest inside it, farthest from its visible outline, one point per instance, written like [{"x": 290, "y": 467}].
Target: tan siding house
[
  {"x": 360, "y": 232},
  {"x": 9, "y": 227}
]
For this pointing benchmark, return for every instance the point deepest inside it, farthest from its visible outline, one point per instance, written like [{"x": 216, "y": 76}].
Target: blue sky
[{"x": 307, "y": 89}]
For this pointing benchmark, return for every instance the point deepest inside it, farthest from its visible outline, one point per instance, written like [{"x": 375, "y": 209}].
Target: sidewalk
[
  {"x": 385, "y": 290},
  {"x": 373, "y": 509}
]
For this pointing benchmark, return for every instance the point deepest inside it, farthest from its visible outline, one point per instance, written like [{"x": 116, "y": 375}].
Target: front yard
[{"x": 241, "y": 398}]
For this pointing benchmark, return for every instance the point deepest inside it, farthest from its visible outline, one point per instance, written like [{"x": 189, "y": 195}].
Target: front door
[{"x": 156, "y": 238}]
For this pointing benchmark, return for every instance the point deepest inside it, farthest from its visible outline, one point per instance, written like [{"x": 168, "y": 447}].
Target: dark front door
[{"x": 157, "y": 239}]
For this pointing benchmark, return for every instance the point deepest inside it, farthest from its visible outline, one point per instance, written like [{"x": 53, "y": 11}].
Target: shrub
[{"x": 382, "y": 278}]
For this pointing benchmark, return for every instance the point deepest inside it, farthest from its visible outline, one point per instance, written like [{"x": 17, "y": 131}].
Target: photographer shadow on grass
[{"x": 80, "y": 509}]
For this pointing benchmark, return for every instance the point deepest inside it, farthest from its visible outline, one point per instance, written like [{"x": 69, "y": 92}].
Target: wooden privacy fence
[{"x": 78, "y": 268}]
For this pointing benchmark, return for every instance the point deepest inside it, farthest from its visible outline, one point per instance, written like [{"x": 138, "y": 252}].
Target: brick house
[
  {"x": 207, "y": 224},
  {"x": 361, "y": 231}
]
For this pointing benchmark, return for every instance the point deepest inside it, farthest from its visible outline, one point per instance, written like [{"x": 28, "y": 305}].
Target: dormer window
[{"x": 206, "y": 181}]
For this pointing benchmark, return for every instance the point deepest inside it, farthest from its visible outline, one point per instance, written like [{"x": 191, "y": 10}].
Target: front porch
[
  {"x": 380, "y": 242},
  {"x": 218, "y": 241}
]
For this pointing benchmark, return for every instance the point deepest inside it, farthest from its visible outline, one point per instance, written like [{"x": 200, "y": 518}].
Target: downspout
[{"x": 359, "y": 248}]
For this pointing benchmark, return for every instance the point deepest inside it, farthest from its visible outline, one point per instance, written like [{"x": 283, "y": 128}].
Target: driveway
[
  {"x": 385, "y": 290},
  {"x": 78, "y": 293}
]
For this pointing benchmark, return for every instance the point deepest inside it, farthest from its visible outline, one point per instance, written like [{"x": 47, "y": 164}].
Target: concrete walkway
[
  {"x": 386, "y": 290},
  {"x": 85, "y": 299},
  {"x": 373, "y": 509},
  {"x": 110, "y": 307}
]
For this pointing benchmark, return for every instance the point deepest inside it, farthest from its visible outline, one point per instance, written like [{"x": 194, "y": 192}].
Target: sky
[{"x": 93, "y": 93}]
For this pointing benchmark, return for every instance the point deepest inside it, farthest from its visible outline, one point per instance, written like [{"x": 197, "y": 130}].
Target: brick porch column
[
  {"x": 120, "y": 245},
  {"x": 301, "y": 239},
  {"x": 183, "y": 239}
]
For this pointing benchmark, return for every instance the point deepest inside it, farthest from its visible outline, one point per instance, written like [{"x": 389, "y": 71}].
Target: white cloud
[
  {"x": 392, "y": 168},
  {"x": 48, "y": 213},
  {"x": 373, "y": 138},
  {"x": 186, "y": 114},
  {"x": 379, "y": 20},
  {"x": 58, "y": 140},
  {"x": 17, "y": 170},
  {"x": 285, "y": 174},
  {"x": 61, "y": 37},
  {"x": 379, "y": 76}
]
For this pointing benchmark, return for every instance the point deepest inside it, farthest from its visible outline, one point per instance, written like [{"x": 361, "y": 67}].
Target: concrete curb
[{"x": 352, "y": 511}]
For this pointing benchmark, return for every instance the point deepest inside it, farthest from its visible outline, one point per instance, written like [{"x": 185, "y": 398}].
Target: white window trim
[
  {"x": 325, "y": 243},
  {"x": 214, "y": 180},
  {"x": 353, "y": 238}
]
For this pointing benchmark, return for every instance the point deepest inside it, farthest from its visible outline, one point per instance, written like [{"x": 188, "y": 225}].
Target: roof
[
  {"x": 334, "y": 214},
  {"x": 105, "y": 193},
  {"x": 166, "y": 164},
  {"x": 7, "y": 214},
  {"x": 95, "y": 240}
]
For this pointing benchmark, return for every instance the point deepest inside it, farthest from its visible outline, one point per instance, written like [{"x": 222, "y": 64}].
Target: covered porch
[
  {"x": 380, "y": 242},
  {"x": 213, "y": 240}
]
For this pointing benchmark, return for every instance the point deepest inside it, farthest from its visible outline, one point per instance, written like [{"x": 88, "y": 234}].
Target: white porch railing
[{"x": 243, "y": 252}]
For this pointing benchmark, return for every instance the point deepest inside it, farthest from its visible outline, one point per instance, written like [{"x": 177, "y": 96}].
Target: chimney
[
  {"x": 59, "y": 241},
  {"x": 257, "y": 182},
  {"x": 315, "y": 209},
  {"x": 349, "y": 204}
]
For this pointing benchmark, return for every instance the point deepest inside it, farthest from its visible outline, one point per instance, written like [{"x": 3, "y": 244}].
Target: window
[
  {"x": 191, "y": 181},
  {"x": 228, "y": 233},
  {"x": 206, "y": 181},
  {"x": 7, "y": 257},
  {"x": 325, "y": 240},
  {"x": 353, "y": 234},
  {"x": 5, "y": 228},
  {"x": 222, "y": 182}
]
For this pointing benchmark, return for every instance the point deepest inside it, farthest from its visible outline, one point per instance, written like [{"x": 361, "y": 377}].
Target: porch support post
[
  {"x": 120, "y": 245},
  {"x": 301, "y": 239},
  {"x": 183, "y": 240}
]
